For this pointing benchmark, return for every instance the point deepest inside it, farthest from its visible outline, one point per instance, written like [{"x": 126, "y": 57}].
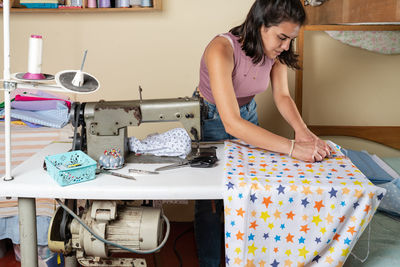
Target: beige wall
[
  {"x": 344, "y": 85},
  {"x": 347, "y": 85},
  {"x": 161, "y": 51}
]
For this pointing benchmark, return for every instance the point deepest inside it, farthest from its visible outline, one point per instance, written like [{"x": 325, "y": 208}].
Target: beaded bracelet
[{"x": 291, "y": 147}]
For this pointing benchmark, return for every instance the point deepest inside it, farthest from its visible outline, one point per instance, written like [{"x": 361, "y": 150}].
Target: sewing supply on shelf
[
  {"x": 92, "y": 3},
  {"x": 146, "y": 3},
  {"x": 35, "y": 58},
  {"x": 104, "y": 4},
  {"x": 68, "y": 7},
  {"x": 135, "y": 3},
  {"x": 122, "y": 3}
]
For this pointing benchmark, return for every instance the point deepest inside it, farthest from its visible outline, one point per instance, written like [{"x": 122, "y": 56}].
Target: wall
[
  {"x": 344, "y": 85},
  {"x": 158, "y": 50},
  {"x": 161, "y": 51}
]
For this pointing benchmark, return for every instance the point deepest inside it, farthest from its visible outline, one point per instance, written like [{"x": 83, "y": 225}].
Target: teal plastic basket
[{"x": 71, "y": 167}]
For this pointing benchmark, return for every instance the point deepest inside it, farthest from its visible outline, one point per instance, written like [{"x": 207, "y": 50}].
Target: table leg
[
  {"x": 27, "y": 232},
  {"x": 157, "y": 259},
  {"x": 70, "y": 261}
]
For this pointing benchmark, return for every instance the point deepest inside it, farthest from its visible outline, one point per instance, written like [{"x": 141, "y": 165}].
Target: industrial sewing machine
[{"x": 104, "y": 124}]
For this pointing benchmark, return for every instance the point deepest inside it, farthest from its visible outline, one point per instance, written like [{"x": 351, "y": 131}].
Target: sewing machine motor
[{"x": 135, "y": 228}]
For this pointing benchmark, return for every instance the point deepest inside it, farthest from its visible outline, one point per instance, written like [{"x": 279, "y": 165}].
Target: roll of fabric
[{"x": 384, "y": 42}]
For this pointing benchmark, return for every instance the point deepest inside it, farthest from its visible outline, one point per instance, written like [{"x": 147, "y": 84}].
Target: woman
[{"x": 234, "y": 68}]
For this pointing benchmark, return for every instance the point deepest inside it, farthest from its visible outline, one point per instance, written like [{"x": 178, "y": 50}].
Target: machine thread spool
[
  {"x": 104, "y": 3},
  {"x": 122, "y": 3},
  {"x": 146, "y": 3},
  {"x": 136, "y": 3},
  {"x": 92, "y": 3},
  {"x": 35, "y": 58}
]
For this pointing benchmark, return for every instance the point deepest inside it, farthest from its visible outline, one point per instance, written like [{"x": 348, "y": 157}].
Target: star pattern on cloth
[{"x": 280, "y": 211}]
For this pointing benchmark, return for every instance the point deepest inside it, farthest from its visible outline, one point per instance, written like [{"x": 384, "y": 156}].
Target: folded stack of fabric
[
  {"x": 36, "y": 109},
  {"x": 382, "y": 174}
]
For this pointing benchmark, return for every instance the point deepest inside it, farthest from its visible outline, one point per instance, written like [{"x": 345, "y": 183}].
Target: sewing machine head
[{"x": 104, "y": 123}]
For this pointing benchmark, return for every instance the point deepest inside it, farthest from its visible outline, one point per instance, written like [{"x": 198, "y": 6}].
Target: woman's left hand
[{"x": 307, "y": 136}]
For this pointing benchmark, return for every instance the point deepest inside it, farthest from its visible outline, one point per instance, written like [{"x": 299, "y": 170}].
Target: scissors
[{"x": 199, "y": 162}]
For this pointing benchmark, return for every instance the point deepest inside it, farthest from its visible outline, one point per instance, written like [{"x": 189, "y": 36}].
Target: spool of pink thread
[{"x": 92, "y": 3}]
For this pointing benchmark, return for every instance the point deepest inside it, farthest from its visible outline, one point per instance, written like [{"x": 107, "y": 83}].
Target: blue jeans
[
  {"x": 213, "y": 129},
  {"x": 208, "y": 225}
]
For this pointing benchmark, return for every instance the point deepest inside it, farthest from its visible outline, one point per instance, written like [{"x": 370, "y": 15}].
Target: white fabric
[
  {"x": 175, "y": 142},
  {"x": 384, "y": 42},
  {"x": 385, "y": 167}
]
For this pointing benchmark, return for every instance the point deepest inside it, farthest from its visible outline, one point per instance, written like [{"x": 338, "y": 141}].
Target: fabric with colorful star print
[{"x": 282, "y": 212}]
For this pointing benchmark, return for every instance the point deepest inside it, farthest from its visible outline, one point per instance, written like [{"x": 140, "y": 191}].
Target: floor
[
  {"x": 185, "y": 245},
  {"x": 9, "y": 259}
]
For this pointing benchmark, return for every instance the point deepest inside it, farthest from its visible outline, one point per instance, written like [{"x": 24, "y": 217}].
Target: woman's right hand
[{"x": 309, "y": 151}]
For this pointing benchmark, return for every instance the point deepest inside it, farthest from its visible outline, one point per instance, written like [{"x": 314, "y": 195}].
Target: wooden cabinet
[{"x": 354, "y": 11}]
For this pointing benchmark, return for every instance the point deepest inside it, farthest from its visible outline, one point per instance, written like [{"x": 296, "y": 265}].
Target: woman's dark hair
[{"x": 269, "y": 13}]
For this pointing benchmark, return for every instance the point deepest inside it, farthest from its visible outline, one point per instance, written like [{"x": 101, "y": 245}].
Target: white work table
[{"x": 31, "y": 181}]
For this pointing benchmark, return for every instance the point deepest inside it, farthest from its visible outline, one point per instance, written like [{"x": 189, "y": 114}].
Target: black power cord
[{"x": 190, "y": 229}]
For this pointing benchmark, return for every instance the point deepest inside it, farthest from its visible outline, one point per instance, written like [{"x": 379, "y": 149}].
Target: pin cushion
[{"x": 112, "y": 159}]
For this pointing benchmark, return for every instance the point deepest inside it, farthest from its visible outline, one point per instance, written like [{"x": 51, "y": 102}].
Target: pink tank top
[{"x": 248, "y": 79}]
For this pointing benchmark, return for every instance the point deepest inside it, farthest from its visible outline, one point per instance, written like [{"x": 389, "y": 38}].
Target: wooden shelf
[
  {"x": 344, "y": 27},
  {"x": 156, "y": 6},
  {"x": 354, "y": 11},
  {"x": 81, "y": 10}
]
